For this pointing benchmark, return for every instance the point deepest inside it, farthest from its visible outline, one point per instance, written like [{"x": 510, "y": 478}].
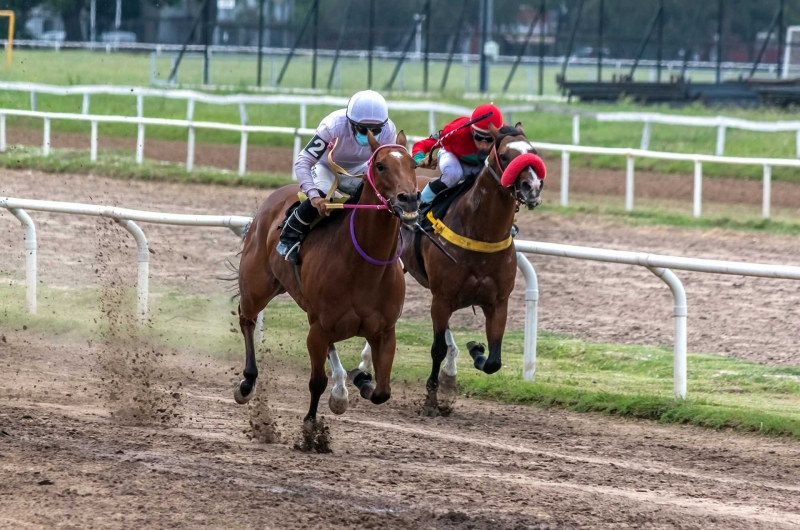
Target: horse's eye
[
  {"x": 379, "y": 166},
  {"x": 504, "y": 156}
]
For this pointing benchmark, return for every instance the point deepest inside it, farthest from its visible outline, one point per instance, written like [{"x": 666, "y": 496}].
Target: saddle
[{"x": 301, "y": 197}]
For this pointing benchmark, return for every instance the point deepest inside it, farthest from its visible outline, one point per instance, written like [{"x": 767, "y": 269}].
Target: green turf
[{"x": 633, "y": 381}]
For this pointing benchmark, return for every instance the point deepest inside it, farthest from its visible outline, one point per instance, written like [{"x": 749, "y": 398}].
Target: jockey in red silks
[{"x": 462, "y": 153}]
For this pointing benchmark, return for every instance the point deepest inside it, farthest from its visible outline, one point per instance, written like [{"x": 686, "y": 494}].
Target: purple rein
[{"x": 383, "y": 206}]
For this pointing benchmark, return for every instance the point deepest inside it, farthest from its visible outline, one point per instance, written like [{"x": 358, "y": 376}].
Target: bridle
[{"x": 516, "y": 194}]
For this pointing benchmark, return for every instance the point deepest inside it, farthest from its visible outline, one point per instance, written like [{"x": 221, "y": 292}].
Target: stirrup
[{"x": 293, "y": 254}]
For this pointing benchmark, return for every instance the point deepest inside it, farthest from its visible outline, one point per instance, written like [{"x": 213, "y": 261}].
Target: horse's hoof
[
  {"x": 476, "y": 351},
  {"x": 479, "y": 361},
  {"x": 430, "y": 409},
  {"x": 244, "y": 391},
  {"x": 491, "y": 367},
  {"x": 338, "y": 400},
  {"x": 358, "y": 373}
]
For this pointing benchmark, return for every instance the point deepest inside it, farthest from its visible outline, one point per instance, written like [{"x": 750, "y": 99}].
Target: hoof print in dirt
[{"x": 316, "y": 437}]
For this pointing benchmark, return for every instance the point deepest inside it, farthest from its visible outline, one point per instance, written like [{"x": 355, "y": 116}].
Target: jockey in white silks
[{"x": 366, "y": 111}]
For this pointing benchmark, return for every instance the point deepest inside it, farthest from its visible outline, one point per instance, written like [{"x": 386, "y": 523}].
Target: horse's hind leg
[
  {"x": 261, "y": 287},
  {"x": 338, "y": 399},
  {"x": 318, "y": 348}
]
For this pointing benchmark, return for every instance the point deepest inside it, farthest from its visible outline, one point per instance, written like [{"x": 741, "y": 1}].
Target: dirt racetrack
[
  {"x": 67, "y": 462},
  {"x": 183, "y": 458}
]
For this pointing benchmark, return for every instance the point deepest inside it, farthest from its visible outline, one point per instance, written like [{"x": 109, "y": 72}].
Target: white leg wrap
[
  {"x": 366, "y": 359},
  {"x": 338, "y": 401},
  {"x": 449, "y": 367}
]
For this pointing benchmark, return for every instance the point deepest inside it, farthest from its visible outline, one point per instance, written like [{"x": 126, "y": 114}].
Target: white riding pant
[{"x": 323, "y": 178}]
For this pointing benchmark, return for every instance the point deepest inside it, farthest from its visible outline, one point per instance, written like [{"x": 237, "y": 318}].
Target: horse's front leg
[
  {"x": 441, "y": 310},
  {"x": 495, "y": 327}
]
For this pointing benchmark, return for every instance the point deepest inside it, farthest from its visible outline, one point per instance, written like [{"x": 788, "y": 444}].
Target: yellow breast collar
[{"x": 464, "y": 242}]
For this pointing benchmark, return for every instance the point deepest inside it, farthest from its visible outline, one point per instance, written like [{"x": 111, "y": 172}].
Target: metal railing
[{"x": 659, "y": 265}]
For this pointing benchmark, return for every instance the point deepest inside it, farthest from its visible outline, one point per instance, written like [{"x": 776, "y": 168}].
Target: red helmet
[{"x": 495, "y": 119}]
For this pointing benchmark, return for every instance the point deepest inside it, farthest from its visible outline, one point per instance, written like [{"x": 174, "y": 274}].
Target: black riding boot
[{"x": 294, "y": 231}]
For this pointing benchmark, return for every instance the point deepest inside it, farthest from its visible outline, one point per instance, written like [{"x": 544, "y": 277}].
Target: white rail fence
[
  {"x": 298, "y": 133},
  {"x": 659, "y": 265},
  {"x": 721, "y": 123},
  {"x": 698, "y": 160}
]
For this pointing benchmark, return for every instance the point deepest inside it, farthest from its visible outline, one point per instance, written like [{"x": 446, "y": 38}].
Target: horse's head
[
  {"x": 518, "y": 164},
  {"x": 394, "y": 177}
]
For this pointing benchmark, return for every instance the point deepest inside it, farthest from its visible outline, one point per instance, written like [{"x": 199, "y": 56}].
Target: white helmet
[{"x": 367, "y": 107}]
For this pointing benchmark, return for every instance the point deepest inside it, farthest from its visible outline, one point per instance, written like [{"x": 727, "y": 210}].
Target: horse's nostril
[
  {"x": 403, "y": 197},
  {"x": 526, "y": 186}
]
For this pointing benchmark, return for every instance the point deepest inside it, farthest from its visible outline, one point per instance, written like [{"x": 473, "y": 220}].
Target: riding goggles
[
  {"x": 481, "y": 137},
  {"x": 362, "y": 128}
]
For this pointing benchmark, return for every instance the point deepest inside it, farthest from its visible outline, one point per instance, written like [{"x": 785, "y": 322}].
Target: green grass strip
[{"x": 617, "y": 380}]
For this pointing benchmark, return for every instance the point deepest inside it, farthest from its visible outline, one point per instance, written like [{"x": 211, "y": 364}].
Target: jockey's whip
[
  {"x": 470, "y": 122},
  {"x": 436, "y": 243}
]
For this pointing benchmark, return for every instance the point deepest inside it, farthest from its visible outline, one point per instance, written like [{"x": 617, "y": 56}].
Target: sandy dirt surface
[
  {"x": 69, "y": 458},
  {"x": 582, "y": 180},
  {"x": 749, "y": 318}
]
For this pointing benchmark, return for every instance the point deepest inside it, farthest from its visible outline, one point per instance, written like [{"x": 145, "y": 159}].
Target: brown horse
[
  {"x": 349, "y": 282},
  {"x": 485, "y": 213}
]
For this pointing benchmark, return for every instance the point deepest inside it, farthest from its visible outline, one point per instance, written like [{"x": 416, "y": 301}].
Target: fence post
[
  {"x": 646, "y": 131},
  {"x": 33, "y": 101},
  {"x": 243, "y": 154},
  {"x": 30, "y": 256},
  {"x": 720, "y": 141},
  {"x": 679, "y": 313},
  {"x": 432, "y": 121},
  {"x": 46, "y": 139},
  {"x": 2, "y": 133},
  {"x": 85, "y": 106},
  {"x": 139, "y": 105},
  {"x": 797, "y": 143},
  {"x": 576, "y": 129},
  {"x": 93, "y": 142},
  {"x": 143, "y": 280},
  {"x": 531, "y": 317},
  {"x": 189, "y": 109},
  {"x": 767, "y": 191},
  {"x": 190, "y": 150},
  {"x": 698, "y": 188},
  {"x": 140, "y": 144},
  {"x": 564, "y": 178},
  {"x": 303, "y": 115},
  {"x": 629, "y": 183},
  {"x": 295, "y": 151}
]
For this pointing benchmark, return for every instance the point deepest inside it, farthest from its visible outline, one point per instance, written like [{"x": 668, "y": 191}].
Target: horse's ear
[
  {"x": 373, "y": 143},
  {"x": 401, "y": 139},
  {"x": 518, "y": 126},
  {"x": 494, "y": 131}
]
